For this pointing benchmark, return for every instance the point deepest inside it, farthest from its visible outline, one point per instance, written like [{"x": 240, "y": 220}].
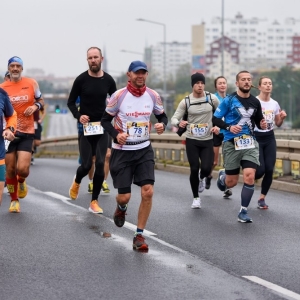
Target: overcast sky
[{"x": 54, "y": 34}]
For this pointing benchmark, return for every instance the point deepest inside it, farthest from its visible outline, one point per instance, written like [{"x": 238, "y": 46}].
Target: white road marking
[
  {"x": 67, "y": 201},
  {"x": 274, "y": 287},
  {"x": 132, "y": 227}
]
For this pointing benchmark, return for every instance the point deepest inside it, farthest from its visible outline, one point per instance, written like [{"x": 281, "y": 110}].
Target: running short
[
  {"x": 218, "y": 139},
  {"x": 127, "y": 166},
  {"x": 233, "y": 158},
  {"x": 38, "y": 132},
  {"x": 2, "y": 173},
  {"x": 22, "y": 142}
]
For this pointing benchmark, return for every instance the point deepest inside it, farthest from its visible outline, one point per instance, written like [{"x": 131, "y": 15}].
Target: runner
[
  {"x": 38, "y": 116},
  {"x": 199, "y": 106},
  {"x": 7, "y": 133},
  {"x": 26, "y": 98},
  {"x": 241, "y": 112},
  {"x": 221, "y": 88},
  {"x": 132, "y": 157},
  {"x": 92, "y": 86},
  {"x": 266, "y": 138}
]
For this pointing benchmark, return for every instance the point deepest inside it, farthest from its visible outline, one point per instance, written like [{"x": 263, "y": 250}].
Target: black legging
[
  {"x": 88, "y": 147},
  {"x": 267, "y": 159},
  {"x": 196, "y": 149}
]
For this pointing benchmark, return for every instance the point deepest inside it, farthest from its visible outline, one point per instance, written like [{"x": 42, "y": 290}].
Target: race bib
[
  {"x": 199, "y": 129},
  {"x": 244, "y": 142},
  {"x": 92, "y": 128},
  {"x": 269, "y": 117},
  {"x": 138, "y": 130}
]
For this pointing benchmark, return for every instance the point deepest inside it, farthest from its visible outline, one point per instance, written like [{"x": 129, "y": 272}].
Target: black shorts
[
  {"x": 218, "y": 139},
  {"x": 127, "y": 166},
  {"x": 38, "y": 132},
  {"x": 109, "y": 142},
  {"x": 22, "y": 142}
]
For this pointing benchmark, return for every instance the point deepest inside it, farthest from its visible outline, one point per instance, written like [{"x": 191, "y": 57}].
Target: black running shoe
[
  {"x": 119, "y": 216},
  {"x": 208, "y": 182}
]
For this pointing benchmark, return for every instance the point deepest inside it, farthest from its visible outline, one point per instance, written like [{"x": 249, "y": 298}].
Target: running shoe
[
  {"x": 243, "y": 217},
  {"x": 261, "y": 204},
  {"x": 119, "y": 216},
  {"x": 139, "y": 243},
  {"x": 220, "y": 181},
  {"x": 95, "y": 208},
  {"x": 90, "y": 188},
  {"x": 74, "y": 190},
  {"x": 22, "y": 189},
  {"x": 196, "y": 203},
  {"x": 105, "y": 189},
  {"x": 227, "y": 193},
  {"x": 201, "y": 185},
  {"x": 14, "y": 206},
  {"x": 208, "y": 182}
]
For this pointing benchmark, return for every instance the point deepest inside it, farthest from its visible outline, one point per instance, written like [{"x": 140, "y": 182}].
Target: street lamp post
[
  {"x": 290, "y": 104},
  {"x": 222, "y": 41},
  {"x": 164, "y": 59}
]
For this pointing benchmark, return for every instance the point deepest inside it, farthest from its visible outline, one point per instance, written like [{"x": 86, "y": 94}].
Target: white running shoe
[
  {"x": 196, "y": 203},
  {"x": 201, "y": 185}
]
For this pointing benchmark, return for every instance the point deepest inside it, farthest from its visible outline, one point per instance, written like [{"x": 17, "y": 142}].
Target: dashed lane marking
[{"x": 274, "y": 287}]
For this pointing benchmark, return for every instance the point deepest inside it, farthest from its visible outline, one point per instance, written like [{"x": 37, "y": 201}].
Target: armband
[{"x": 39, "y": 105}]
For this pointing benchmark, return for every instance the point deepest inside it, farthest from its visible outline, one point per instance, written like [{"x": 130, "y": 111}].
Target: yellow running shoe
[
  {"x": 14, "y": 206},
  {"x": 74, "y": 190},
  {"x": 95, "y": 208},
  {"x": 90, "y": 188},
  {"x": 105, "y": 189},
  {"x": 22, "y": 189}
]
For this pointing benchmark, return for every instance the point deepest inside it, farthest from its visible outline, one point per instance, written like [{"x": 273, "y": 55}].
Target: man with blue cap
[
  {"x": 132, "y": 157},
  {"x": 25, "y": 97}
]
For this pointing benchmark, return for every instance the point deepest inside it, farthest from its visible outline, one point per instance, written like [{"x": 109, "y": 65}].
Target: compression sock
[
  {"x": 12, "y": 187},
  {"x": 246, "y": 194}
]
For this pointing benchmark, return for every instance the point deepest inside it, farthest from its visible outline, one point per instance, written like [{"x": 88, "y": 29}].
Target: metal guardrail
[{"x": 170, "y": 149}]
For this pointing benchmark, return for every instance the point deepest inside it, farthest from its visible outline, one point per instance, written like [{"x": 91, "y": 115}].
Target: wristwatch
[
  {"x": 228, "y": 127},
  {"x": 11, "y": 129}
]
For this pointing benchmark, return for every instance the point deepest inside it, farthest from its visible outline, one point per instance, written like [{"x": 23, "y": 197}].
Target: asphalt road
[{"x": 56, "y": 249}]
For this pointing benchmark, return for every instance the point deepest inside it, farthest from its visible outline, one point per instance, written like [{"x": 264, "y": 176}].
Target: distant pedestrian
[
  {"x": 266, "y": 138},
  {"x": 132, "y": 157},
  {"x": 241, "y": 112}
]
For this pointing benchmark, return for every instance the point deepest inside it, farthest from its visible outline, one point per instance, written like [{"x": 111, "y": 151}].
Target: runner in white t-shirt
[{"x": 266, "y": 138}]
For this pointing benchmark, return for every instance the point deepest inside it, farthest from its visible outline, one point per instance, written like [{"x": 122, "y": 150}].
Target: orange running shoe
[{"x": 95, "y": 208}]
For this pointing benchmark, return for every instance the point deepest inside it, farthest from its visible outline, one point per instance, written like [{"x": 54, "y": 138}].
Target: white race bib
[
  {"x": 138, "y": 130},
  {"x": 92, "y": 128},
  {"x": 244, "y": 142},
  {"x": 199, "y": 129}
]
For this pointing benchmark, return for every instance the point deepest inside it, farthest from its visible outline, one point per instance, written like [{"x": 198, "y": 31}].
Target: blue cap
[
  {"x": 15, "y": 59},
  {"x": 137, "y": 65}
]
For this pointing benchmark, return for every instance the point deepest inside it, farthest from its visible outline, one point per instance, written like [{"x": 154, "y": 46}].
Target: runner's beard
[
  {"x": 95, "y": 68},
  {"x": 244, "y": 90}
]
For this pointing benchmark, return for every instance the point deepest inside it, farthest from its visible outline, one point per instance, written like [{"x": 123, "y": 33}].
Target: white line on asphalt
[
  {"x": 67, "y": 201},
  {"x": 132, "y": 227},
  {"x": 274, "y": 287}
]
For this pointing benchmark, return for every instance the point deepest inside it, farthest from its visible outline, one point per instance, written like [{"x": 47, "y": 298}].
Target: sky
[{"x": 54, "y": 35}]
